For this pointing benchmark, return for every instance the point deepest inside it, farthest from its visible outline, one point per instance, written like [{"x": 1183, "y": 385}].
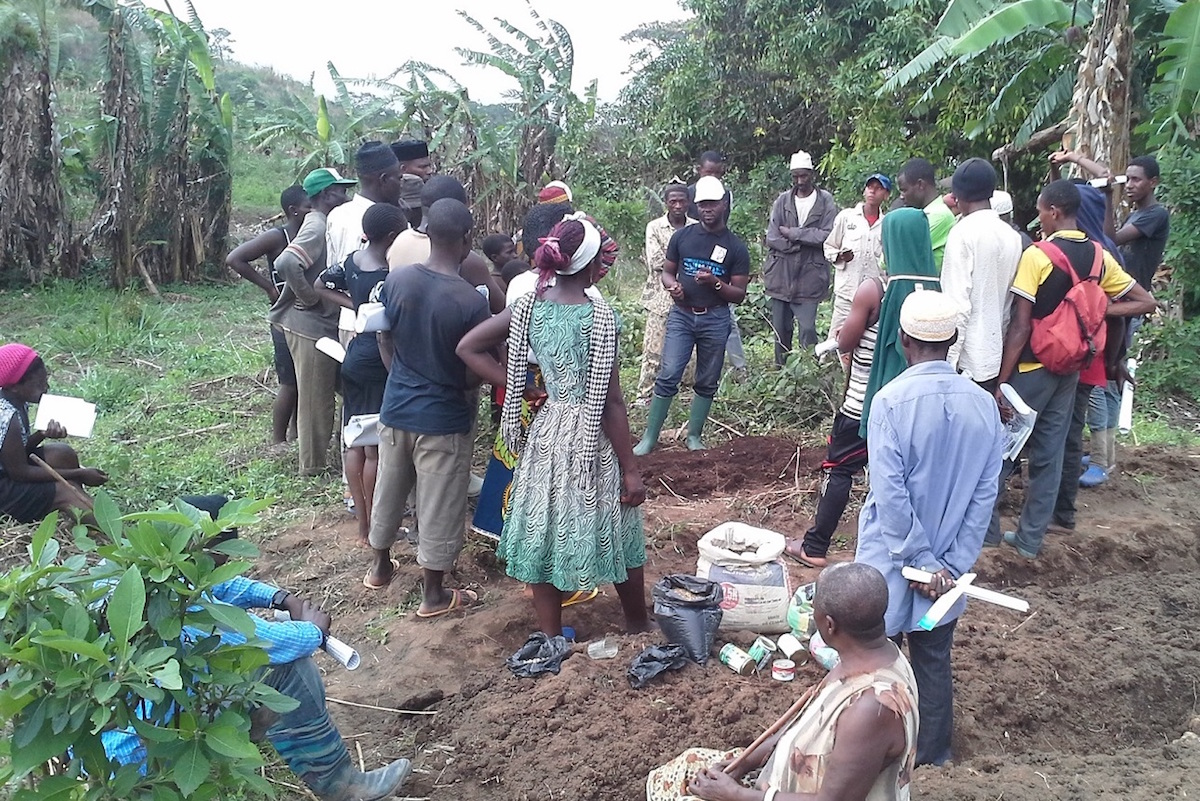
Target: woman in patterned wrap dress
[{"x": 572, "y": 522}]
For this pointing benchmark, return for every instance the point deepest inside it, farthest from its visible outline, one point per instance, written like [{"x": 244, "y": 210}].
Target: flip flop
[
  {"x": 580, "y": 597},
  {"x": 367, "y": 578},
  {"x": 456, "y": 602},
  {"x": 804, "y": 559}
]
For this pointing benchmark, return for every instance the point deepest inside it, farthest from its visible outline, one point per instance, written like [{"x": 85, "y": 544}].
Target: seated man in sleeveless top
[{"x": 855, "y": 738}]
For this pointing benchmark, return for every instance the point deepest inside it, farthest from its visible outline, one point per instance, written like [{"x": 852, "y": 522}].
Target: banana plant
[{"x": 1051, "y": 35}]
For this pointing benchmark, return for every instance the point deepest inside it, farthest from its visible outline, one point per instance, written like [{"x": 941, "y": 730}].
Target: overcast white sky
[{"x": 365, "y": 38}]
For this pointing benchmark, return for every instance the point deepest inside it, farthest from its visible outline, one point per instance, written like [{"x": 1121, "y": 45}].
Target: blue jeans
[
  {"x": 1104, "y": 407},
  {"x": 1053, "y": 398},
  {"x": 735, "y": 353},
  {"x": 929, "y": 655},
  {"x": 306, "y": 737},
  {"x": 707, "y": 334}
]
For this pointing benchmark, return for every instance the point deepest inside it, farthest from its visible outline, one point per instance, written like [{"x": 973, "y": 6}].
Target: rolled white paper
[
  {"x": 337, "y": 649},
  {"x": 1125, "y": 418},
  {"x": 342, "y": 653}
]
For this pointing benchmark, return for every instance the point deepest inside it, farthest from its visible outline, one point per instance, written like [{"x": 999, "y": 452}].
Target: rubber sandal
[
  {"x": 456, "y": 603},
  {"x": 367, "y": 578},
  {"x": 580, "y": 597},
  {"x": 804, "y": 559}
]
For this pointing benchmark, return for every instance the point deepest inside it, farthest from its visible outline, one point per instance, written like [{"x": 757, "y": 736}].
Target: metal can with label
[
  {"x": 761, "y": 652},
  {"x": 736, "y": 659},
  {"x": 783, "y": 670}
]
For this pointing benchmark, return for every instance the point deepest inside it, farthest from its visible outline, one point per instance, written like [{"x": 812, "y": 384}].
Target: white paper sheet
[
  {"x": 371, "y": 317},
  {"x": 332, "y": 348},
  {"x": 361, "y": 430},
  {"x": 75, "y": 414},
  {"x": 346, "y": 319},
  {"x": 1018, "y": 429}
]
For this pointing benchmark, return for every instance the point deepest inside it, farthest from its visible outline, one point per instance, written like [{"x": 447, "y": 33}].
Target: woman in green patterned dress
[{"x": 573, "y": 522}]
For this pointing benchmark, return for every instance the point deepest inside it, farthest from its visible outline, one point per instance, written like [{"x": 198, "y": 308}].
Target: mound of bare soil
[{"x": 1088, "y": 697}]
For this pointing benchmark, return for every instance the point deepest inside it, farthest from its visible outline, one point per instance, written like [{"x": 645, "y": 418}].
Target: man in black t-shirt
[
  {"x": 706, "y": 269},
  {"x": 425, "y": 422},
  {"x": 1144, "y": 236}
]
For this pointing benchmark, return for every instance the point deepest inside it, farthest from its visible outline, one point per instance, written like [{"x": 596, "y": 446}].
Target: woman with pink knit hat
[{"x": 29, "y": 492}]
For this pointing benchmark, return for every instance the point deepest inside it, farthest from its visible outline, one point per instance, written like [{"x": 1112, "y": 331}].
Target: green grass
[
  {"x": 183, "y": 389},
  {"x": 1151, "y": 428},
  {"x": 258, "y": 179}
]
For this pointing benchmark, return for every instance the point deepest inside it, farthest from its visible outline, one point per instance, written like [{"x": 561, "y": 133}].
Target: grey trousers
[
  {"x": 316, "y": 377},
  {"x": 1053, "y": 398},
  {"x": 784, "y": 315}
]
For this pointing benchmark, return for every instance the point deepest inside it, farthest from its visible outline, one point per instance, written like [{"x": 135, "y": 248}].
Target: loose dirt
[{"x": 1089, "y": 697}]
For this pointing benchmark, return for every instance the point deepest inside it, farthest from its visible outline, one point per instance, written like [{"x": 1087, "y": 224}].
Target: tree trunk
[
  {"x": 34, "y": 231},
  {"x": 1099, "y": 117}
]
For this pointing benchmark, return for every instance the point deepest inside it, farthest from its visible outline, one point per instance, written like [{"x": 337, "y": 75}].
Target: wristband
[
  {"x": 718, "y": 286},
  {"x": 279, "y": 599},
  {"x": 770, "y": 794}
]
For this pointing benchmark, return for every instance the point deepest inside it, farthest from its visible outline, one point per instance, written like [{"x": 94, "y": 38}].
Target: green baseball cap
[{"x": 318, "y": 180}]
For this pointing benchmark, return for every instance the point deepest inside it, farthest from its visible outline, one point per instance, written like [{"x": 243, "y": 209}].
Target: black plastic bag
[
  {"x": 654, "y": 660},
  {"x": 540, "y": 654},
  {"x": 688, "y": 610}
]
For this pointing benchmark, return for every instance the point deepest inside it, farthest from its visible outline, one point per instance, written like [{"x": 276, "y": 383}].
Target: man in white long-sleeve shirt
[
  {"x": 982, "y": 253},
  {"x": 855, "y": 247}
]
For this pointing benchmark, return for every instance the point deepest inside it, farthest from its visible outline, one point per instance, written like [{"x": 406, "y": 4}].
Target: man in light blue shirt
[
  {"x": 306, "y": 737},
  {"x": 934, "y": 444}
]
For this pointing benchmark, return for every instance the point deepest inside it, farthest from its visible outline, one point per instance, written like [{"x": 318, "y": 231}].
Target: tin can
[
  {"x": 761, "y": 652},
  {"x": 790, "y": 645},
  {"x": 736, "y": 659},
  {"x": 783, "y": 670}
]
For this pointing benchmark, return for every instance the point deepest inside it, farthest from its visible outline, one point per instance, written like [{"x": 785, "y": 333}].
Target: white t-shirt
[
  {"x": 344, "y": 231},
  {"x": 804, "y": 206}
]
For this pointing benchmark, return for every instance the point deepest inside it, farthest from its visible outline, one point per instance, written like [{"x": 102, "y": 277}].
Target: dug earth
[{"x": 1093, "y": 695}]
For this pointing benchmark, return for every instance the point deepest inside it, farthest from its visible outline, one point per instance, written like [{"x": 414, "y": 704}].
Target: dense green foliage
[
  {"x": 1180, "y": 190},
  {"x": 94, "y": 642}
]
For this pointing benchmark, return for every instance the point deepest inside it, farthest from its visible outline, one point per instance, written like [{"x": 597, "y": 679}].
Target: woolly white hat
[{"x": 929, "y": 316}]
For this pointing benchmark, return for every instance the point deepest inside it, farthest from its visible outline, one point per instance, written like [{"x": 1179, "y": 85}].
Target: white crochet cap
[
  {"x": 1002, "y": 202},
  {"x": 929, "y": 316},
  {"x": 801, "y": 161}
]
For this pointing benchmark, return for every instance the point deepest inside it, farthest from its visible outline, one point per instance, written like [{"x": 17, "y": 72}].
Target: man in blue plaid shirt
[{"x": 306, "y": 738}]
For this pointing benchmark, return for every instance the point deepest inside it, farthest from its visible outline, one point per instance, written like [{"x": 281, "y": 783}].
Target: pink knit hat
[{"x": 15, "y": 359}]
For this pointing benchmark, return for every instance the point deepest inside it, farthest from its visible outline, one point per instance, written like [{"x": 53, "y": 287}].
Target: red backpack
[{"x": 1068, "y": 338}]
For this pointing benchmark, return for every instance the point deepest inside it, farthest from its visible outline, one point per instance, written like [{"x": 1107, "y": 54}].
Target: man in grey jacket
[{"x": 796, "y": 272}]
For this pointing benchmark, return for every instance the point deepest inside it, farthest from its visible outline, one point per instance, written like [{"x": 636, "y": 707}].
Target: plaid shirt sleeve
[
  {"x": 245, "y": 593},
  {"x": 286, "y": 641}
]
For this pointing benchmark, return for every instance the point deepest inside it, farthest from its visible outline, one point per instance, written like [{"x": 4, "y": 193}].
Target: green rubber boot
[
  {"x": 654, "y": 423},
  {"x": 700, "y": 409}
]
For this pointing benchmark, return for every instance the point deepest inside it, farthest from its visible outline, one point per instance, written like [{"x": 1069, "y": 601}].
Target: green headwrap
[{"x": 908, "y": 255}]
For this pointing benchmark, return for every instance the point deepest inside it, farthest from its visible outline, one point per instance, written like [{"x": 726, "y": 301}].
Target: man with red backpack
[{"x": 1065, "y": 287}]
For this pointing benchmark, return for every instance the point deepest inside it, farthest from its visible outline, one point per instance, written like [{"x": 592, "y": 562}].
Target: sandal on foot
[
  {"x": 803, "y": 558},
  {"x": 456, "y": 602},
  {"x": 371, "y": 586},
  {"x": 579, "y": 597}
]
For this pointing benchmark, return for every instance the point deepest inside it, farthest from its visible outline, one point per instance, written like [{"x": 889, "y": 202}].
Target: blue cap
[{"x": 884, "y": 181}]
